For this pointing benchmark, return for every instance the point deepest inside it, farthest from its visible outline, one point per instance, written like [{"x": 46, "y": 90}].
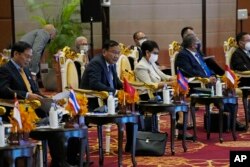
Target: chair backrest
[
  {"x": 5, "y": 56},
  {"x": 174, "y": 49},
  {"x": 123, "y": 68},
  {"x": 72, "y": 69},
  {"x": 229, "y": 48}
]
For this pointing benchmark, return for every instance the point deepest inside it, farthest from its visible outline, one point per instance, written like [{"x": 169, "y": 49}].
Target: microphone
[{"x": 245, "y": 66}]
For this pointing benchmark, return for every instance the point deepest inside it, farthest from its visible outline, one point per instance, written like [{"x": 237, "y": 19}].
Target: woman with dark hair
[{"x": 147, "y": 71}]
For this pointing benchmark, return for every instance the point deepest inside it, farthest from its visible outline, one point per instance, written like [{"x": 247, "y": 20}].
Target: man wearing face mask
[
  {"x": 139, "y": 37},
  {"x": 211, "y": 63},
  {"x": 81, "y": 46},
  {"x": 240, "y": 60},
  {"x": 191, "y": 64}
]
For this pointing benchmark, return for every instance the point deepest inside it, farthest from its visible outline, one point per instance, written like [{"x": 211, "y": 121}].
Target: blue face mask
[{"x": 198, "y": 45}]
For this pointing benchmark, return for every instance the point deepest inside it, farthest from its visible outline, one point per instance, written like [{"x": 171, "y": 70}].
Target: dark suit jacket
[
  {"x": 10, "y": 78},
  {"x": 241, "y": 62},
  {"x": 188, "y": 65},
  {"x": 95, "y": 77}
]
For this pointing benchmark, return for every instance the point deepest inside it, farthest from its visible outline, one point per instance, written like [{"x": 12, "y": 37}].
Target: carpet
[{"x": 203, "y": 152}]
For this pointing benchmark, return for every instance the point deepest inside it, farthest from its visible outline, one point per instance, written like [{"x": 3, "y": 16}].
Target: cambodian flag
[
  {"x": 182, "y": 80},
  {"x": 73, "y": 101}
]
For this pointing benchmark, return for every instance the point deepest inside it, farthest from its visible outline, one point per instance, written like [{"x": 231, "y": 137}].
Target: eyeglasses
[
  {"x": 27, "y": 56},
  {"x": 140, "y": 38},
  {"x": 156, "y": 53},
  {"x": 114, "y": 52}
]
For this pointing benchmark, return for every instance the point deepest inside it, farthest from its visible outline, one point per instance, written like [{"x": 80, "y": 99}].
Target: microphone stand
[{"x": 91, "y": 38}]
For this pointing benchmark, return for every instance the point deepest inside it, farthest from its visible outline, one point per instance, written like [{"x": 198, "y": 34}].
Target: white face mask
[
  {"x": 85, "y": 48},
  {"x": 153, "y": 58},
  {"x": 247, "y": 46},
  {"x": 142, "y": 40}
]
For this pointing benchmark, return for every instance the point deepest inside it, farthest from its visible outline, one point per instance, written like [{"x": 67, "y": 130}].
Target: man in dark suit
[
  {"x": 211, "y": 63},
  {"x": 101, "y": 74},
  {"x": 240, "y": 60},
  {"x": 191, "y": 64},
  {"x": 15, "y": 77}
]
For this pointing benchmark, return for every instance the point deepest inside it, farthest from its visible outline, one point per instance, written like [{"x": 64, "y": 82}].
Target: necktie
[
  {"x": 203, "y": 65},
  {"x": 110, "y": 76},
  {"x": 25, "y": 79}
]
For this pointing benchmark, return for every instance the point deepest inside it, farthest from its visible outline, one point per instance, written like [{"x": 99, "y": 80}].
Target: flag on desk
[
  {"x": 182, "y": 80},
  {"x": 128, "y": 88},
  {"x": 16, "y": 113},
  {"x": 73, "y": 101},
  {"x": 229, "y": 74}
]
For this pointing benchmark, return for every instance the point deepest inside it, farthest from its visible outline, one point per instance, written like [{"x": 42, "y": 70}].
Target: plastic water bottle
[
  {"x": 212, "y": 91},
  {"x": 166, "y": 95},
  {"x": 53, "y": 117},
  {"x": 2, "y": 133},
  {"x": 218, "y": 86},
  {"x": 111, "y": 104}
]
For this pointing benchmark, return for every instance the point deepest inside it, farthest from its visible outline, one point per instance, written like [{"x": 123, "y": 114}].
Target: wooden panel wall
[
  {"x": 244, "y": 4},
  {"x": 7, "y": 35}
]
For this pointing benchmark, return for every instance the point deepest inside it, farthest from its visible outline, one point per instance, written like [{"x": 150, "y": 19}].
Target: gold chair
[
  {"x": 229, "y": 48},
  {"x": 69, "y": 62}
]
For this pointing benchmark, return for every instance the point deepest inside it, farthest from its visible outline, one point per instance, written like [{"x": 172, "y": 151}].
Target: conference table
[
  {"x": 119, "y": 120},
  {"x": 10, "y": 153},
  {"x": 218, "y": 101},
  {"x": 58, "y": 141},
  {"x": 158, "y": 107}
]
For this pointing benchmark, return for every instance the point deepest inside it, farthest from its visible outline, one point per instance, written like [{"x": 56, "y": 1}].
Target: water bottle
[
  {"x": 2, "y": 133},
  {"x": 111, "y": 104},
  {"x": 166, "y": 95},
  {"x": 218, "y": 86},
  {"x": 212, "y": 91},
  {"x": 53, "y": 117}
]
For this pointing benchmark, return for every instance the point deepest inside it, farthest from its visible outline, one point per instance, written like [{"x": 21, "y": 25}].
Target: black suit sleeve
[
  {"x": 96, "y": 77},
  {"x": 239, "y": 62},
  {"x": 187, "y": 67},
  {"x": 8, "y": 85}
]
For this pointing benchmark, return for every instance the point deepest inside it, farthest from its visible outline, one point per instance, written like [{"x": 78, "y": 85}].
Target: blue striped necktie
[
  {"x": 110, "y": 76},
  {"x": 203, "y": 65}
]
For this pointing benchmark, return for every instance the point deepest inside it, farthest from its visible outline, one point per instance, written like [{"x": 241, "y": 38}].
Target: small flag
[
  {"x": 182, "y": 80},
  {"x": 128, "y": 88},
  {"x": 229, "y": 74},
  {"x": 73, "y": 101},
  {"x": 16, "y": 113}
]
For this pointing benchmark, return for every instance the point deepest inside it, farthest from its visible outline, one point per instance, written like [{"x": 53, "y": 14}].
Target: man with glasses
[
  {"x": 101, "y": 74},
  {"x": 82, "y": 46},
  {"x": 211, "y": 63},
  {"x": 15, "y": 77},
  {"x": 190, "y": 63},
  {"x": 139, "y": 37},
  {"x": 240, "y": 60}
]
